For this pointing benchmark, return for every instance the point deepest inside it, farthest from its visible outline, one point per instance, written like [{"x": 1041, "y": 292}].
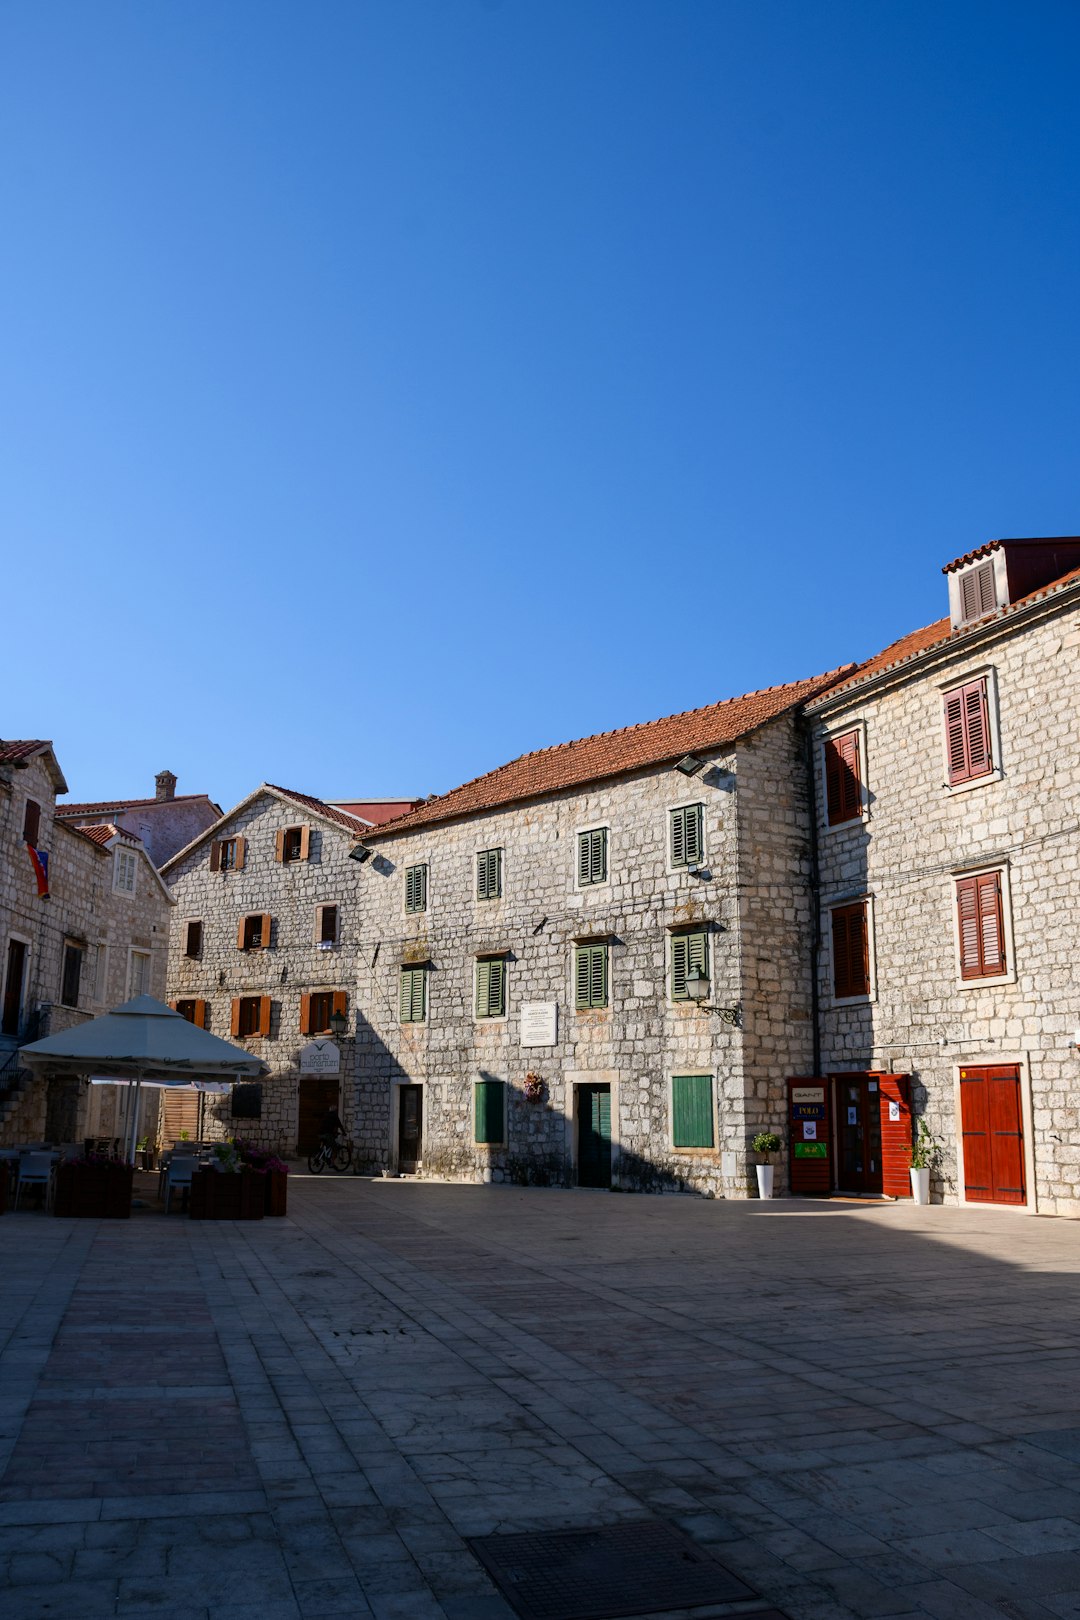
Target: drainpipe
[{"x": 815, "y": 894}]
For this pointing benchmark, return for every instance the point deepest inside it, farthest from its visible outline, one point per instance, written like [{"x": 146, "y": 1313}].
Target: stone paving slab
[{"x": 860, "y": 1410}]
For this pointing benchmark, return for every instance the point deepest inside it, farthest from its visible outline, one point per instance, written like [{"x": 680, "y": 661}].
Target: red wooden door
[{"x": 992, "y": 1128}]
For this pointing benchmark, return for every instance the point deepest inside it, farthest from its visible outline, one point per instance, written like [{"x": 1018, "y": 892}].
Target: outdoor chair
[
  {"x": 179, "y": 1174},
  {"x": 70, "y": 1150},
  {"x": 35, "y": 1170}
]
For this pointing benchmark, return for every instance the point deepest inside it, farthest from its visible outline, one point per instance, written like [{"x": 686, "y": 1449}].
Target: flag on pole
[{"x": 39, "y": 860}]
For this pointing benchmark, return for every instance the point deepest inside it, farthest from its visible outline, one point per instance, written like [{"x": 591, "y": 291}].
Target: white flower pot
[
  {"x": 764, "y": 1180},
  {"x": 920, "y": 1186}
]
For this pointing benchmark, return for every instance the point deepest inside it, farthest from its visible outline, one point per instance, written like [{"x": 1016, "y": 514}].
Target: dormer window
[{"x": 978, "y": 594}]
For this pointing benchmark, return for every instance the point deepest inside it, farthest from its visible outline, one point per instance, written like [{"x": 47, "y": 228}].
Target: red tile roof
[
  {"x": 106, "y": 805},
  {"x": 12, "y": 751},
  {"x": 935, "y": 635},
  {"x": 353, "y": 823},
  {"x": 1017, "y": 541},
  {"x": 613, "y": 753},
  {"x": 103, "y": 831},
  {"x": 972, "y": 556}
]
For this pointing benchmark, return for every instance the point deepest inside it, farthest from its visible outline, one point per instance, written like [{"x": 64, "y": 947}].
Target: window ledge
[
  {"x": 854, "y": 1001},
  {"x": 986, "y": 983},
  {"x": 952, "y": 788},
  {"x": 846, "y": 826}
]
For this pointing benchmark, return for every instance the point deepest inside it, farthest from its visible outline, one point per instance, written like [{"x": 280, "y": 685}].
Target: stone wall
[
  {"x": 292, "y": 966},
  {"x": 906, "y": 855}
]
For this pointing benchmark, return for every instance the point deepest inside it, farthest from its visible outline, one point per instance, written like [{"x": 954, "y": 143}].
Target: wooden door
[
  {"x": 410, "y": 1128},
  {"x": 13, "y": 986},
  {"x": 858, "y": 1133},
  {"x": 594, "y": 1136},
  {"x": 991, "y": 1122},
  {"x": 316, "y": 1097}
]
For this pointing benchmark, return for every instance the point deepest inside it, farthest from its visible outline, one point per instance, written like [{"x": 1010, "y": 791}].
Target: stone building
[
  {"x": 592, "y": 965},
  {"x": 165, "y": 823},
  {"x": 948, "y": 837},
  {"x": 98, "y": 936},
  {"x": 264, "y": 951}
]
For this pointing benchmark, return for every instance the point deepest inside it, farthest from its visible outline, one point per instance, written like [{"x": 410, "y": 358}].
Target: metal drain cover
[{"x": 600, "y": 1574}]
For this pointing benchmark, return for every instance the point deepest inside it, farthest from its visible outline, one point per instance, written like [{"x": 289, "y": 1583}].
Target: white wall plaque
[
  {"x": 808, "y": 1094},
  {"x": 539, "y": 1023},
  {"x": 809, "y": 1130},
  {"x": 894, "y": 1109},
  {"x": 319, "y": 1057}
]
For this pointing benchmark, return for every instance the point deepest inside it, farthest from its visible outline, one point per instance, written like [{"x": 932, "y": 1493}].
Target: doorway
[
  {"x": 593, "y": 1111},
  {"x": 991, "y": 1124},
  {"x": 317, "y": 1097},
  {"x": 410, "y": 1129},
  {"x": 858, "y": 1133},
  {"x": 13, "y": 986}
]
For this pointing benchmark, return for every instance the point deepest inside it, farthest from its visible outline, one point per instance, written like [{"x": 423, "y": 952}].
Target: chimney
[{"x": 165, "y": 783}]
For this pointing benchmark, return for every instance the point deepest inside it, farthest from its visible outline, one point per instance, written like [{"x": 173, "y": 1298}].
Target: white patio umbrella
[{"x": 142, "y": 1041}]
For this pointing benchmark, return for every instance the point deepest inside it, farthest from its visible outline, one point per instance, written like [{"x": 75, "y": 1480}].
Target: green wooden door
[{"x": 594, "y": 1136}]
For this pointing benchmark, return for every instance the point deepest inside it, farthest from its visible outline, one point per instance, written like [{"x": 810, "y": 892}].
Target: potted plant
[
  {"x": 228, "y": 1189},
  {"x": 93, "y": 1187},
  {"x": 766, "y": 1143},
  {"x": 924, "y": 1157},
  {"x": 274, "y": 1172}
]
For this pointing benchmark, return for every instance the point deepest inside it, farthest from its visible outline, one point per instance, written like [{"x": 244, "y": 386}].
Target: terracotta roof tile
[
  {"x": 331, "y": 812},
  {"x": 933, "y": 635},
  {"x": 103, "y": 831},
  {"x": 972, "y": 556},
  {"x": 612, "y": 753},
  {"x": 11, "y": 751},
  {"x": 104, "y": 806}
]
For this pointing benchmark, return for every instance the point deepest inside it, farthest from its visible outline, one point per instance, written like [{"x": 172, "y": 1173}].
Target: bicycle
[{"x": 337, "y": 1157}]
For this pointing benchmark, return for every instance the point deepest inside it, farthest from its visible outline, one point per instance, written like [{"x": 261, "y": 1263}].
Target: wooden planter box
[
  {"x": 218, "y": 1195},
  {"x": 94, "y": 1191},
  {"x": 277, "y": 1191}
]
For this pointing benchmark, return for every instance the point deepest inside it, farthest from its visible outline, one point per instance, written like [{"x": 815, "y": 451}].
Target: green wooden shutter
[
  {"x": 412, "y": 995},
  {"x": 592, "y": 856},
  {"x": 686, "y": 841},
  {"x": 489, "y": 874},
  {"x": 678, "y": 838},
  {"x": 416, "y": 888},
  {"x": 591, "y": 976},
  {"x": 491, "y": 987},
  {"x": 691, "y": 1111},
  {"x": 687, "y": 951},
  {"x": 490, "y": 1111}
]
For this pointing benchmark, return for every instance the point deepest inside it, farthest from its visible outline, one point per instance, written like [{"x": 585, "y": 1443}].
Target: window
[
  {"x": 315, "y": 1011},
  {"x": 228, "y": 854},
  {"x": 250, "y": 1016},
  {"x": 416, "y": 888},
  {"x": 246, "y": 1101},
  {"x": 412, "y": 995},
  {"x": 980, "y": 922},
  {"x": 977, "y": 593},
  {"x": 843, "y": 779},
  {"x": 253, "y": 933},
  {"x": 592, "y": 857},
  {"x": 138, "y": 973},
  {"x": 692, "y": 1111},
  {"x": 193, "y": 938},
  {"x": 591, "y": 976},
  {"x": 489, "y": 874},
  {"x": 686, "y": 842},
  {"x": 31, "y": 822},
  {"x": 489, "y": 1112},
  {"x": 69, "y": 986},
  {"x": 194, "y": 1011},
  {"x": 688, "y": 950},
  {"x": 124, "y": 871},
  {"x": 491, "y": 987},
  {"x": 326, "y": 926},
  {"x": 292, "y": 844},
  {"x": 967, "y": 732},
  {"x": 850, "y": 951}
]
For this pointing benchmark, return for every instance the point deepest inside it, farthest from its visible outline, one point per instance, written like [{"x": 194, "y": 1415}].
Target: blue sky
[{"x": 390, "y": 387}]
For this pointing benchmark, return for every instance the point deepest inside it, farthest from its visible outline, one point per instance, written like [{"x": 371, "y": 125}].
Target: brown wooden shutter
[
  {"x": 173, "y": 1006},
  {"x": 305, "y": 843},
  {"x": 234, "y": 1022},
  {"x": 215, "y": 856},
  {"x": 199, "y": 1019},
  {"x": 265, "y": 937},
  {"x": 981, "y": 926},
  {"x": 843, "y": 785},
  {"x": 305, "y": 1015},
  {"x": 241, "y": 851},
  {"x": 851, "y": 963},
  {"x": 341, "y": 1003},
  {"x": 279, "y": 844},
  {"x": 955, "y": 738},
  {"x": 967, "y": 732},
  {"x": 240, "y": 934},
  {"x": 264, "y": 1015}
]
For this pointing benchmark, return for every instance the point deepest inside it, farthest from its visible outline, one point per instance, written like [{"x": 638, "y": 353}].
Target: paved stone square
[{"x": 863, "y": 1410}]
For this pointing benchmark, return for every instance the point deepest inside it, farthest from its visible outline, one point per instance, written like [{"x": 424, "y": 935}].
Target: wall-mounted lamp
[
  {"x": 689, "y": 765},
  {"x": 698, "y": 985},
  {"x": 338, "y": 1025},
  {"x": 360, "y": 852}
]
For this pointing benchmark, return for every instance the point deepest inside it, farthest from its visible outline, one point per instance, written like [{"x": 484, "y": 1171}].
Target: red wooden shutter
[
  {"x": 234, "y": 1022},
  {"x": 305, "y": 1015},
  {"x": 265, "y": 936},
  {"x": 981, "y": 926},
  {"x": 851, "y": 966},
  {"x": 241, "y": 851},
  {"x": 240, "y": 933},
  {"x": 279, "y": 844},
  {"x": 341, "y": 1003},
  {"x": 305, "y": 843},
  {"x": 199, "y": 1019},
  {"x": 843, "y": 787},
  {"x": 215, "y": 856},
  {"x": 967, "y": 732},
  {"x": 264, "y": 1015}
]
